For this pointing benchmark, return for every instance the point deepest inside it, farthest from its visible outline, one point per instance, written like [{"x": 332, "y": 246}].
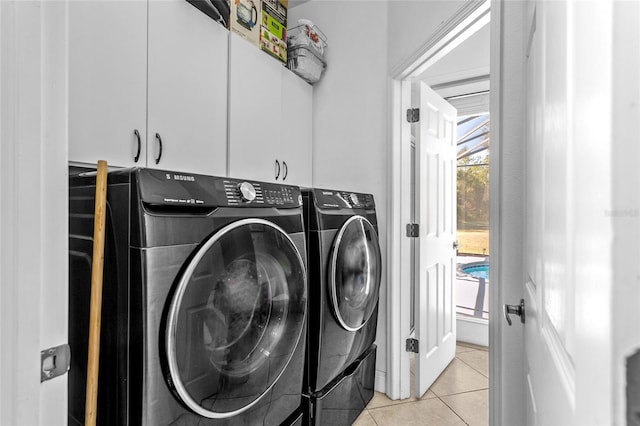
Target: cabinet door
[
  {"x": 107, "y": 81},
  {"x": 255, "y": 108},
  {"x": 295, "y": 149},
  {"x": 188, "y": 71}
]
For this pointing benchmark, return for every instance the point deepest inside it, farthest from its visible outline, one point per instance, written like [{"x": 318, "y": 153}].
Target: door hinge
[
  {"x": 54, "y": 362},
  {"x": 412, "y": 345},
  {"x": 413, "y": 115},
  {"x": 413, "y": 230}
]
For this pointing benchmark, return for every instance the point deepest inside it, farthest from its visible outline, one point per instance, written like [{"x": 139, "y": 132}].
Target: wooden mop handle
[{"x": 97, "y": 266}]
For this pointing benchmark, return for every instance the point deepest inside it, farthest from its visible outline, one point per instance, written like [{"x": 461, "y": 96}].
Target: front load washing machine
[
  {"x": 344, "y": 284},
  {"x": 204, "y": 300}
]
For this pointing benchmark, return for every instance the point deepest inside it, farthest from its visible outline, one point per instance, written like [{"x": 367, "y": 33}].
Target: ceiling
[{"x": 464, "y": 70}]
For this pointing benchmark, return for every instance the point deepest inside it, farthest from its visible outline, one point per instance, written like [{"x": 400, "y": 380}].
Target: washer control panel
[
  {"x": 160, "y": 187},
  {"x": 261, "y": 193}
]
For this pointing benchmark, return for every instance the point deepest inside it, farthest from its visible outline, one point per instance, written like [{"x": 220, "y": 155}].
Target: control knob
[
  {"x": 247, "y": 192},
  {"x": 354, "y": 199}
]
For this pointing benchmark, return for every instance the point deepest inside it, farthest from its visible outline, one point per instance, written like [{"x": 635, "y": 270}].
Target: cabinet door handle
[
  {"x": 159, "y": 148},
  {"x": 137, "y": 157},
  {"x": 285, "y": 173},
  {"x": 277, "y": 169}
]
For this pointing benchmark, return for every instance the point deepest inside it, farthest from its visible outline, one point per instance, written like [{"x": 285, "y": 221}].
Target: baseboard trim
[
  {"x": 380, "y": 384},
  {"x": 472, "y": 330}
]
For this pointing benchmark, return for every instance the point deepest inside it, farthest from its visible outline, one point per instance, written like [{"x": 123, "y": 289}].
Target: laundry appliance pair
[
  {"x": 344, "y": 270},
  {"x": 204, "y": 300}
]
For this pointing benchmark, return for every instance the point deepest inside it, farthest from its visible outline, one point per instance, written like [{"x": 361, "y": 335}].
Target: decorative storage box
[
  {"x": 273, "y": 28},
  {"x": 306, "y": 45},
  {"x": 244, "y": 19}
]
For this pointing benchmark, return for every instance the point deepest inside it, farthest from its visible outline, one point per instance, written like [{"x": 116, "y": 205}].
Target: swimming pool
[{"x": 478, "y": 270}]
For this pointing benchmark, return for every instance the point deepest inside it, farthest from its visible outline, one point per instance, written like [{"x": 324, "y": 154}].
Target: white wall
[{"x": 350, "y": 113}]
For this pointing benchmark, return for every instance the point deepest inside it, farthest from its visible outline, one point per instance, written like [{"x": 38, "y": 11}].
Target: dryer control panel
[{"x": 331, "y": 199}]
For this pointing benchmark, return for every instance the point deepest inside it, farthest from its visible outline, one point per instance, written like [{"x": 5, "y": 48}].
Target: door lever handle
[{"x": 514, "y": 309}]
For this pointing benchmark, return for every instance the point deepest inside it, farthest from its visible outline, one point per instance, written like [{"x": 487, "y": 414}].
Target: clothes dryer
[
  {"x": 204, "y": 300},
  {"x": 345, "y": 269}
]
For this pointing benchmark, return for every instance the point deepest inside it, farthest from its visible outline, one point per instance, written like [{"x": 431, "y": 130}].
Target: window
[{"x": 473, "y": 215}]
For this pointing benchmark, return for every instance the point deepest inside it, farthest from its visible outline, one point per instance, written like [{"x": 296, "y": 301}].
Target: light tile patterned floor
[{"x": 458, "y": 397}]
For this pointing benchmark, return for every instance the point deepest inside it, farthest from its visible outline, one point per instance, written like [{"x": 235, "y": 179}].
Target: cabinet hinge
[
  {"x": 413, "y": 230},
  {"x": 412, "y": 345},
  {"x": 413, "y": 115}
]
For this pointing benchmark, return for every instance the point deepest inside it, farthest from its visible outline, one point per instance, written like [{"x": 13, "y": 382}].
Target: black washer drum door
[
  {"x": 354, "y": 273},
  {"x": 235, "y": 318}
]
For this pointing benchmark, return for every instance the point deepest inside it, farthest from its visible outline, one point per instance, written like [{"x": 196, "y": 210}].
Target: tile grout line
[
  {"x": 372, "y": 418},
  {"x": 472, "y": 367},
  {"x": 473, "y": 347},
  {"x": 398, "y": 403},
  {"x": 418, "y": 400},
  {"x": 454, "y": 411},
  {"x": 371, "y": 410},
  {"x": 462, "y": 393}
]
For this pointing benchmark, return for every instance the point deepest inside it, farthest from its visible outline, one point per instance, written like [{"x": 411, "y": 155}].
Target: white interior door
[
  {"x": 435, "y": 185},
  {"x": 568, "y": 282}
]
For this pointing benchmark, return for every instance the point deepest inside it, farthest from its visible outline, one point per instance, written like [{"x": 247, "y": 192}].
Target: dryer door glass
[
  {"x": 355, "y": 271},
  {"x": 235, "y": 318}
]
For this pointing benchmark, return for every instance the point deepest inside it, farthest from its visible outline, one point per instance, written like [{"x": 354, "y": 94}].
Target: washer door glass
[
  {"x": 235, "y": 318},
  {"x": 355, "y": 273}
]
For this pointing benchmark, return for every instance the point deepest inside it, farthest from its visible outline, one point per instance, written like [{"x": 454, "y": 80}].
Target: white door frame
[
  {"x": 468, "y": 20},
  {"x": 506, "y": 366},
  {"x": 33, "y": 208}
]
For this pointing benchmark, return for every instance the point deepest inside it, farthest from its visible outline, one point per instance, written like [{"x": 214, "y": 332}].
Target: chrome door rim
[
  {"x": 332, "y": 274},
  {"x": 170, "y": 332}
]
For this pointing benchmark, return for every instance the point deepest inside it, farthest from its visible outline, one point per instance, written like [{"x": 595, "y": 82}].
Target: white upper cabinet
[
  {"x": 107, "y": 82},
  {"x": 159, "y": 84},
  {"x": 296, "y": 145},
  {"x": 255, "y": 107},
  {"x": 188, "y": 74},
  {"x": 269, "y": 118},
  {"x": 127, "y": 87}
]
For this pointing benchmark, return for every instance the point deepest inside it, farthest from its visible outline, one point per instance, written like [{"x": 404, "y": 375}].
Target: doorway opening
[
  {"x": 456, "y": 88},
  {"x": 466, "y": 276}
]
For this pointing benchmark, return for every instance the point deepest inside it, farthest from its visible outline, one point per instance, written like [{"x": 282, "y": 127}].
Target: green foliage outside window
[{"x": 473, "y": 193}]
